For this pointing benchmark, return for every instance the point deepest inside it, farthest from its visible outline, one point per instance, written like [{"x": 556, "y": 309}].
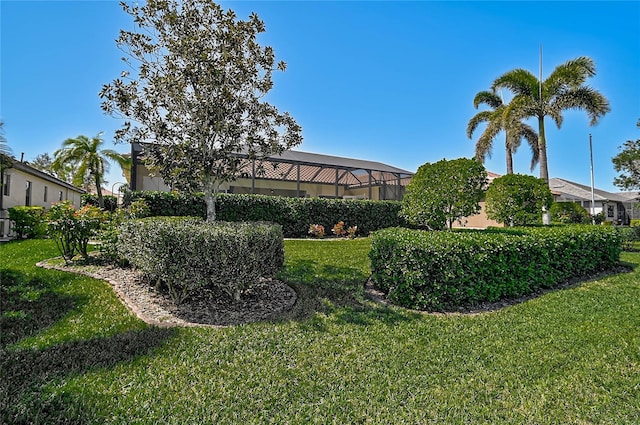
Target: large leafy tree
[
  {"x": 443, "y": 192},
  {"x": 88, "y": 158},
  {"x": 563, "y": 90},
  {"x": 196, "y": 99},
  {"x": 498, "y": 121},
  {"x": 627, "y": 163},
  {"x": 517, "y": 200}
]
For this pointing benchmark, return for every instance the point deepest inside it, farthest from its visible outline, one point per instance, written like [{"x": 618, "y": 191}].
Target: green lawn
[{"x": 71, "y": 353}]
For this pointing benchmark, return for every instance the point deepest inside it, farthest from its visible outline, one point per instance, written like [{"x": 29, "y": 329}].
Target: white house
[
  {"x": 23, "y": 185},
  {"x": 617, "y": 207}
]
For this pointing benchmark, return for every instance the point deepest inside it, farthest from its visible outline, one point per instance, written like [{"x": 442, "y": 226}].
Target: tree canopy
[
  {"x": 627, "y": 162},
  {"x": 563, "y": 90},
  {"x": 195, "y": 97},
  {"x": 86, "y": 157},
  {"x": 498, "y": 120},
  {"x": 517, "y": 200},
  {"x": 443, "y": 192}
]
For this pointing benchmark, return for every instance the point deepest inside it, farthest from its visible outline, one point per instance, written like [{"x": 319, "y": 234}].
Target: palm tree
[
  {"x": 564, "y": 89},
  {"x": 497, "y": 120},
  {"x": 87, "y": 157}
]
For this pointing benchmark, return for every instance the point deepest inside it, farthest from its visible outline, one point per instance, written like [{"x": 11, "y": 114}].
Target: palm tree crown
[
  {"x": 498, "y": 120},
  {"x": 87, "y": 157},
  {"x": 563, "y": 90}
]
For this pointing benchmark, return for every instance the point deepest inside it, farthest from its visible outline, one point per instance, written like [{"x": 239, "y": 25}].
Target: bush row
[
  {"x": 293, "y": 214},
  {"x": 110, "y": 201},
  {"x": 29, "y": 222},
  {"x": 445, "y": 270},
  {"x": 186, "y": 254}
]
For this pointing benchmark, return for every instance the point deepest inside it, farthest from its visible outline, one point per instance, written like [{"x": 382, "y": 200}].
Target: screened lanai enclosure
[{"x": 299, "y": 174}]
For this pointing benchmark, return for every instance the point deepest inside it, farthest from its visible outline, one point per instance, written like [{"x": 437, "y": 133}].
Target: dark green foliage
[
  {"x": 444, "y": 270},
  {"x": 110, "y": 201},
  {"x": 569, "y": 213},
  {"x": 293, "y": 214},
  {"x": 444, "y": 192},
  {"x": 28, "y": 222},
  {"x": 630, "y": 236},
  {"x": 187, "y": 255},
  {"x": 627, "y": 163},
  {"x": 517, "y": 200}
]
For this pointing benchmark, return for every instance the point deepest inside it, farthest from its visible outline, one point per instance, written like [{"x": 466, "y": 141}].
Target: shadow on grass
[
  {"x": 27, "y": 388},
  {"x": 29, "y": 305},
  {"x": 335, "y": 290}
]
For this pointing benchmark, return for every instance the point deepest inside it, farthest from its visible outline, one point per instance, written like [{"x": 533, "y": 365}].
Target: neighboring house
[
  {"x": 480, "y": 220},
  {"x": 299, "y": 174},
  {"x": 24, "y": 185},
  {"x": 617, "y": 207}
]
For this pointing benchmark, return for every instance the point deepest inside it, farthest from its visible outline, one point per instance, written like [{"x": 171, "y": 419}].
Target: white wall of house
[{"x": 24, "y": 188}]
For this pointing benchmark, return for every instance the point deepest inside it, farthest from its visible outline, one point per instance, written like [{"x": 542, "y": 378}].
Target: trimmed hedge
[
  {"x": 110, "y": 201},
  {"x": 293, "y": 214},
  {"x": 29, "y": 222},
  {"x": 445, "y": 270},
  {"x": 187, "y": 255}
]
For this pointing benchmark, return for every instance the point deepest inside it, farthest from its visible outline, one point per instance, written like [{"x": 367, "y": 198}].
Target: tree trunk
[
  {"x": 99, "y": 191},
  {"x": 544, "y": 170},
  {"x": 509, "y": 159},
  {"x": 210, "y": 199},
  {"x": 542, "y": 150}
]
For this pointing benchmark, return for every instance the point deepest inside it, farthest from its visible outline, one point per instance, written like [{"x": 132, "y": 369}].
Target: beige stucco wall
[
  {"x": 478, "y": 221},
  {"x": 18, "y": 186},
  {"x": 18, "y": 190}
]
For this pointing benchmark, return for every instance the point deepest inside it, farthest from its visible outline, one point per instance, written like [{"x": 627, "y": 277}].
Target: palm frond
[
  {"x": 488, "y": 98},
  {"x": 519, "y": 81},
  {"x": 585, "y": 99},
  {"x": 476, "y": 120}
]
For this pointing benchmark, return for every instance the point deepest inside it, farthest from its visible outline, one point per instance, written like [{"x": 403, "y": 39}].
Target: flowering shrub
[
  {"x": 316, "y": 230},
  {"x": 71, "y": 229},
  {"x": 60, "y": 228},
  {"x": 339, "y": 229}
]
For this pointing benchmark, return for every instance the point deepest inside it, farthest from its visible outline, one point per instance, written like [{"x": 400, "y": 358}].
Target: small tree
[
  {"x": 197, "y": 95},
  {"x": 569, "y": 212},
  {"x": 517, "y": 200},
  {"x": 627, "y": 162},
  {"x": 443, "y": 192}
]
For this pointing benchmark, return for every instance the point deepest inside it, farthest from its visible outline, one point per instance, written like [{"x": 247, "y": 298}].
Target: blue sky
[{"x": 386, "y": 81}]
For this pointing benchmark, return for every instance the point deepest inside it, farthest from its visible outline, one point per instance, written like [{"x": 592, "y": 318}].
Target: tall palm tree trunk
[
  {"x": 542, "y": 149},
  {"x": 509, "y": 155},
  {"x": 99, "y": 190}
]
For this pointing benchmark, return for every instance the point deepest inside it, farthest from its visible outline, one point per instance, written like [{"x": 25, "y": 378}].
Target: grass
[{"x": 70, "y": 353}]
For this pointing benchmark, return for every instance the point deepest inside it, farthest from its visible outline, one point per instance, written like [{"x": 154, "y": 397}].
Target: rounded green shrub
[
  {"x": 569, "y": 213},
  {"x": 186, "y": 255}
]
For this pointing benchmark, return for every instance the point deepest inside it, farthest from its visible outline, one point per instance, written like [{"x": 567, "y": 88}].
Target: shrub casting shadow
[
  {"x": 26, "y": 373},
  {"x": 28, "y": 306},
  {"x": 335, "y": 290}
]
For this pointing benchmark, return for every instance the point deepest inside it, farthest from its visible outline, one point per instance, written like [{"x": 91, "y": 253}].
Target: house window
[
  {"x": 27, "y": 198},
  {"x": 60, "y": 196},
  {"x": 46, "y": 192},
  {"x": 609, "y": 210},
  {"x": 6, "y": 190}
]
